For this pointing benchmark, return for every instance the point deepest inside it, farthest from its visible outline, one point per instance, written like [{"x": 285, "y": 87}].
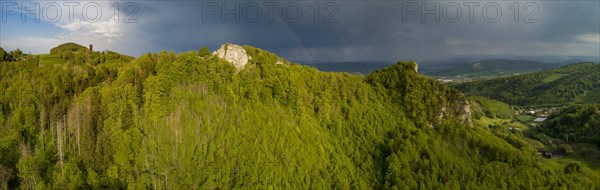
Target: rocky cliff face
[
  {"x": 416, "y": 67},
  {"x": 458, "y": 109},
  {"x": 242, "y": 56},
  {"x": 425, "y": 100},
  {"x": 234, "y": 54}
]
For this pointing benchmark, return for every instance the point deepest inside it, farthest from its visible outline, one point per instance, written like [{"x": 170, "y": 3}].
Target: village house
[{"x": 551, "y": 154}]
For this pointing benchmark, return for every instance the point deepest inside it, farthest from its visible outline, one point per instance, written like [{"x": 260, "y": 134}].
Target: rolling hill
[
  {"x": 577, "y": 83},
  {"x": 579, "y": 123},
  {"x": 496, "y": 68}
]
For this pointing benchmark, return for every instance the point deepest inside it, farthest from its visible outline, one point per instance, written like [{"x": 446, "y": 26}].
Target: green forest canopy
[
  {"x": 580, "y": 123},
  {"x": 190, "y": 121}
]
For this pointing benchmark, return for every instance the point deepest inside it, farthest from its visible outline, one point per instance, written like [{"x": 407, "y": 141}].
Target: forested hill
[
  {"x": 79, "y": 119},
  {"x": 579, "y": 123},
  {"x": 579, "y": 83},
  {"x": 497, "y": 67}
]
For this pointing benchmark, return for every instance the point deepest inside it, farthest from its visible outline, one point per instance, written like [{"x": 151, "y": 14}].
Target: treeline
[
  {"x": 76, "y": 53},
  {"x": 14, "y": 55},
  {"x": 192, "y": 121},
  {"x": 580, "y": 123},
  {"x": 547, "y": 88}
]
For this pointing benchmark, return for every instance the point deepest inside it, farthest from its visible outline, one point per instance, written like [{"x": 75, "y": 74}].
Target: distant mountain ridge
[
  {"x": 497, "y": 67},
  {"x": 474, "y": 67},
  {"x": 362, "y": 67}
]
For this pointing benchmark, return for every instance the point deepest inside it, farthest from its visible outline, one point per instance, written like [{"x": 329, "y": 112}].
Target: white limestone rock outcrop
[
  {"x": 234, "y": 54},
  {"x": 416, "y": 67}
]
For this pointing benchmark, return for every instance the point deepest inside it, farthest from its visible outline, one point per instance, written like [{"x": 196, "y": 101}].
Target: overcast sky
[{"x": 303, "y": 31}]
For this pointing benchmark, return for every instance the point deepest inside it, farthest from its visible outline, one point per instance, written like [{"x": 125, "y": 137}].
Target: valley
[{"x": 563, "y": 132}]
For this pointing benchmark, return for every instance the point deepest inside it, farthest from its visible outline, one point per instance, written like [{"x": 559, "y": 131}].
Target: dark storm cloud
[
  {"x": 373, "y": 30},
  {"x": 563, "y": 19}
]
